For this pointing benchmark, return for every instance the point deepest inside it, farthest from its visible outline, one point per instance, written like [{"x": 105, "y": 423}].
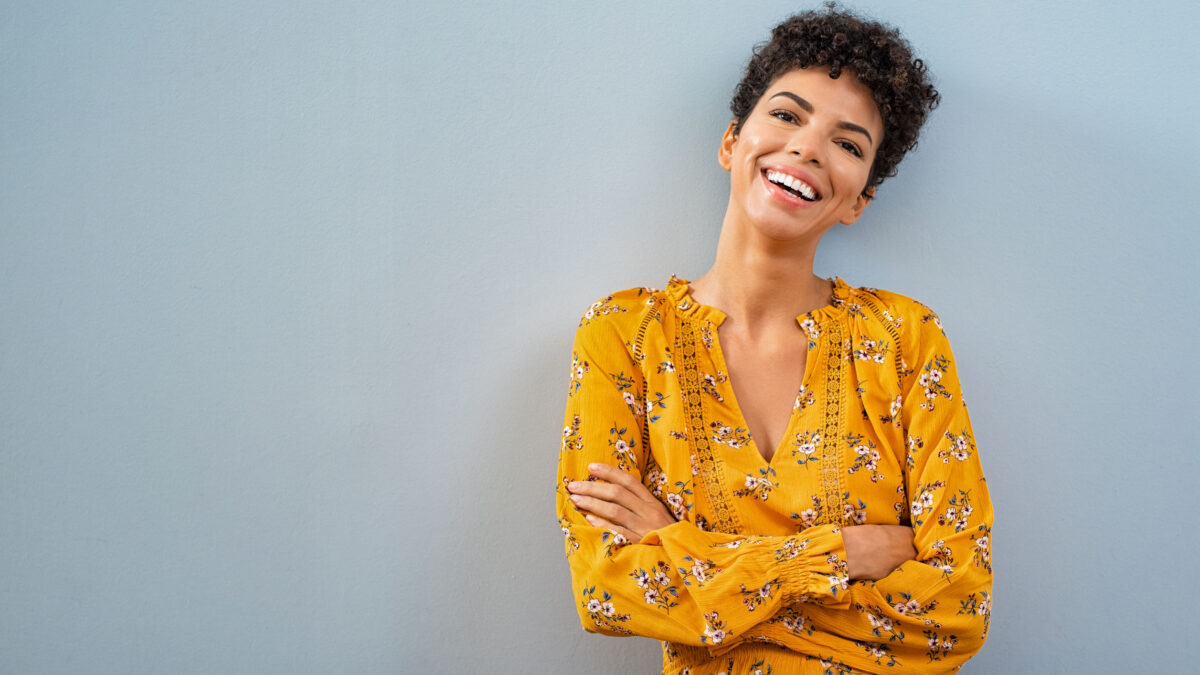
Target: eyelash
[
  {"x": 851, "y": 148},
  {"x": 784, "y": 116},
  {"x": 787, "y": 116}
]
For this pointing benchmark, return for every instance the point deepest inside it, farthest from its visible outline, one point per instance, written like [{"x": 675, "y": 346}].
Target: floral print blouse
[{"x": 752, "y": 578}]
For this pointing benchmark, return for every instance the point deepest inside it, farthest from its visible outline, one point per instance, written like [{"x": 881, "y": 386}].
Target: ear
[
  {"x": 860, "y": 205},
  {"x": 725, "y": 153}
]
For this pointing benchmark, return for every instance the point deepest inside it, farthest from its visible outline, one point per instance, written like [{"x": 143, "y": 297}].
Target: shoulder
[
  {"x": 914, "y": 326},
  {"x": 616, "y": 318},
  {"x": 621, "y": 307},
  {"x": 904, "y": 312}
]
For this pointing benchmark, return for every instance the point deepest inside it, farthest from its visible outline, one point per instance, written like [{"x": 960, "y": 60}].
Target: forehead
[{"x": 845, "y": 97}]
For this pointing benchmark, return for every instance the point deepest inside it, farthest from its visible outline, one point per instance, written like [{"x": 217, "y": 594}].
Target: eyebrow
[{"x": 808, "y": 107}]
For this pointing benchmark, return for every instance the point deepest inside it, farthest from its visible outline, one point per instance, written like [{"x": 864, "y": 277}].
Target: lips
[{"x": 792, "y": 184}]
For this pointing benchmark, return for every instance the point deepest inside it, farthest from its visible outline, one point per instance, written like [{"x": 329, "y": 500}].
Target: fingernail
[
  {"x": 573, "y": 485},
  {"x": 575, "y": 498},
  {"x": 593, "y": 467}
]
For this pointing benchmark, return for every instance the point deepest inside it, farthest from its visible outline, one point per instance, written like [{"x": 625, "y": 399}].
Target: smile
[{"x": 792, "y": 185}]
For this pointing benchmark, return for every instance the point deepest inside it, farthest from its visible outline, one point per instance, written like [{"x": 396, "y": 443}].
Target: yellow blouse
[{"x": 753, "y": 576}]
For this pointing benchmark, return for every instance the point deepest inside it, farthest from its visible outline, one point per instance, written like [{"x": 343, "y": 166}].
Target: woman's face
[{"x": 802, "y": 158}]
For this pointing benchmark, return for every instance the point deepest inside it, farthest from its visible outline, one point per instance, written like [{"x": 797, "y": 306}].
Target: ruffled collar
[{"x": 679, "y": 293}]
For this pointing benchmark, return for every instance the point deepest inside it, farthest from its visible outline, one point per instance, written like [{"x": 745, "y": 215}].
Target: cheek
[
  {"x": 745, "y": 161},
  {"x": 854, "y": 176}
]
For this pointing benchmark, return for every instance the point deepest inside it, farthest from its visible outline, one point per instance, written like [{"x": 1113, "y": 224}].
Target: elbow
[
  {"x": 976, "y": 611},
  {"x": 971, "y": 635},
  {"x": 972, "y": 616},
  {"x": 597, "y": 614},
  {"x": 597, "y": 609}
]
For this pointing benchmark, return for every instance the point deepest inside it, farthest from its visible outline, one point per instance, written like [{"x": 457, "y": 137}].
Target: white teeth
[{"x": 792, "y": 182}]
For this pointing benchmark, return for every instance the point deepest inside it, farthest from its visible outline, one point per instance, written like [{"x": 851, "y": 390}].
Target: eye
[
  {"x": 784, "y": 116},
  {"x": 850, "y": 148}
]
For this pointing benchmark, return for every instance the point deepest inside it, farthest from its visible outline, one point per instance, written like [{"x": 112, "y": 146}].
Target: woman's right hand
[{"x": 873, "y": 551}]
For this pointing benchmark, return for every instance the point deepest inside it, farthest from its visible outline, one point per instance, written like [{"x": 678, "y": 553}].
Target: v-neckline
[
  {"x": 682, "y": 292},
  {"x": 718, "y": 355}
]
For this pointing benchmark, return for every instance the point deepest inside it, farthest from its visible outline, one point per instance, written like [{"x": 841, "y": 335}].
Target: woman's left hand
[{"x": 619, "y": 502}]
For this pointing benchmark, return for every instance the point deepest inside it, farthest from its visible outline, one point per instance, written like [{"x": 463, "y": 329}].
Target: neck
[{"x": 759, "y": 283}]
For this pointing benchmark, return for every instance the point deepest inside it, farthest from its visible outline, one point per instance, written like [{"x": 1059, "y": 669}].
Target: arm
[
  {"x": 930, "y": 614},
  {"x": 676, "y": 583},
  {"x": 619, "y": 503}
]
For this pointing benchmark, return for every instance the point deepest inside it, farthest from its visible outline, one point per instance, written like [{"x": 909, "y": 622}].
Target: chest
[
  {"x": 829, "y": 460},
  {"x": 765, "y": 380}
]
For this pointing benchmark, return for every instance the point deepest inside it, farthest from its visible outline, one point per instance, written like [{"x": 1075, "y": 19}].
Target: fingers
[
  {"x": 608, "y": 492},
  {"x": 622, "y": 478},
  {"x": 620, "y": 500},
  {"x": 610, "y": 511},
  {"x": 596, "y": 521},
  {"x": 614, "y": 475}
]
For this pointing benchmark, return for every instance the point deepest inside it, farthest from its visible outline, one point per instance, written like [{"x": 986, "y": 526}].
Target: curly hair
[{"x": 874, "y": 53}]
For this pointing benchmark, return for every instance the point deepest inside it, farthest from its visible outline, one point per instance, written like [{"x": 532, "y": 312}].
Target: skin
[{"x": 824, "y": 131}]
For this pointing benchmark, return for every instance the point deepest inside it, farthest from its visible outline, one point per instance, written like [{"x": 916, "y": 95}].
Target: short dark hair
[{"x": 876, "y": 54}]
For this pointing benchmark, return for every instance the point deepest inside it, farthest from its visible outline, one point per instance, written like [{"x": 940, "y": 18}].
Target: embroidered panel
[
  {"x": 835, "y": 401},
  {"x": 711, "y": 471},
  {"x": 639, "y": 357}
]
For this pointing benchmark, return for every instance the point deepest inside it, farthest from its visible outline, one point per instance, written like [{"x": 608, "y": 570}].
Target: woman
[{"x": 764, "y": 469}]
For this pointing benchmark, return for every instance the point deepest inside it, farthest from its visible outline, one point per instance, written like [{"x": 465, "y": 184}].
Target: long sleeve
[
  {"x": 931, "y": 614},
  {"x": 680, "y": 583}
]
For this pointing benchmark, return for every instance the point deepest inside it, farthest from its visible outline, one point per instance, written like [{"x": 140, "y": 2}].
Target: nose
[{"x": 805, "y": 146}]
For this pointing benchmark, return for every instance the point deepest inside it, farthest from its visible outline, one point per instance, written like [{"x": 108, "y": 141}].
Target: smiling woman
[
  {"x": 764, "y": 469},
  {"x": 802, "y": 161}
]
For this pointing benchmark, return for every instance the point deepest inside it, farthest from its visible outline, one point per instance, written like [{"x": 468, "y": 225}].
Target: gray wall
[{"x": 287, "y": 291}]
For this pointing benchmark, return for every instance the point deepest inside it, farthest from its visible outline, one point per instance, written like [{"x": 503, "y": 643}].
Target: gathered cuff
[{"x": 813, "y": 566}]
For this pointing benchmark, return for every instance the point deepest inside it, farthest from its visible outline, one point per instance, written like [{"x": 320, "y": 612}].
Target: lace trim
[
  {"x": 639, "y": 357},
  {"x": 890, "y": 327},
  {"x": 832, "y": 471},
  {"x": 711, "y": 471},
  {"x": 901, "y": 373}
]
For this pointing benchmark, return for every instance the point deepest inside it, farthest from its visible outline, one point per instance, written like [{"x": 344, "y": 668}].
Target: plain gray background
[{"x": 287, "y": 292}]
